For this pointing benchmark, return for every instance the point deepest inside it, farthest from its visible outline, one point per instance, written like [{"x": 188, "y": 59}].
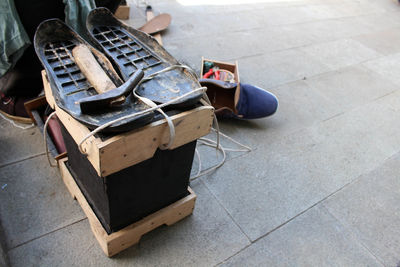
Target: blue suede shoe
[{"x": 242, "y": 101}]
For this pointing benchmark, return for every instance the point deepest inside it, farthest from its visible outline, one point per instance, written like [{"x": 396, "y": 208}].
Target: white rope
[
  {"x": 17, "y": 125},
  {"x": 218, "y": 147},
  {"x": 98, "y": 129},
  {"x": 246, "y": 148},
  {"x": 208, "y": 142},
  {"x": 45, "y": 138},
  {"x": 152, "y": 108},
  {"x": 171, "y": 125}
]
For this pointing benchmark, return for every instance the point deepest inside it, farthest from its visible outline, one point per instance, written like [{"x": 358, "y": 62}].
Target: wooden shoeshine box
[
  {"x": 125, "y": 177},
  {"x": 127, "y": 149}
]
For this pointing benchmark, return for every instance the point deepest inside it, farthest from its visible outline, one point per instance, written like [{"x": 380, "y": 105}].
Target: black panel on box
[{"x": 127, "y": 196}]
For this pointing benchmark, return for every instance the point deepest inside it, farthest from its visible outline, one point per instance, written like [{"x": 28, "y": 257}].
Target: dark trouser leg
[{"x": 25, "y": 79}]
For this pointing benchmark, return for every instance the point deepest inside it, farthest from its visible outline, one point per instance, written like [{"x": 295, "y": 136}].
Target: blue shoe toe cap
[{"x": 255, "y": 102}]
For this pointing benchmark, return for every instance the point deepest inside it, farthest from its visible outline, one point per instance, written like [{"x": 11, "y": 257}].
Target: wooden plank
[
  {"x": 131, "y": 148},
  {"x": 47, "y": 90},
  {"x": 149, "y": 16},
  {"x": 78, "y": 131},
  {"x": 127, "y": 149},
  {"x": 122, "y": 12},
  {"x": 33, "y": 105},
  {"x": 130, "y": 235}
]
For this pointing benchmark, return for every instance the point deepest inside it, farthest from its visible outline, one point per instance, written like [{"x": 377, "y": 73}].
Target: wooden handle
[
  {"x": 93, "y": 72},
  {"x": 149, "y": 16},
  {"x": 92, "y": 69}
]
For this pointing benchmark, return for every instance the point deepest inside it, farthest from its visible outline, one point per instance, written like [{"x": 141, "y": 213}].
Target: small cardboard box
[
  {"x": 222, "y": 65},
  {"x": 122, "y": 12}
]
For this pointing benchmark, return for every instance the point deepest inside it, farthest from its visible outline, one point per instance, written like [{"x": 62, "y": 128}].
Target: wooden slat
[
  {"x": 122, "y": 12},
  {"x": 130, "y": 235},
  {"x": 134, "y": 147},
  {"x": 47, "y": 90},
  {"x": 149, "y": 16},
  {"x": 33, "y": 105}
]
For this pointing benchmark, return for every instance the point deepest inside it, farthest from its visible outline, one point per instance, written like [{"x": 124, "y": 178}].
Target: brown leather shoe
[{"x": 13, "y": 108}]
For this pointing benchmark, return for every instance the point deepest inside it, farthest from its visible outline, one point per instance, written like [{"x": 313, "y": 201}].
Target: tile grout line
[
  {"x": 288, "y": 221},
  {"x": 45, "y": 234},
  {"x": 230, "y": 216},
  {"x": 355, "y": 236},
  {"x": 320, "y": 202},
  {"x": 309, "y": 44},
  {"x": 23, "y": 159},
  {"x": 301, "y": 23},
  {"x": 341, "y": 222},
  {"x": 317, "y": 74}
]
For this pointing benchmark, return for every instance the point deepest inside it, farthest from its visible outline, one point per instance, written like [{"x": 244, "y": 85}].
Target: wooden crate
[
  {"x": 115, "y": 242},
  {"x": 115, "y": 153}
]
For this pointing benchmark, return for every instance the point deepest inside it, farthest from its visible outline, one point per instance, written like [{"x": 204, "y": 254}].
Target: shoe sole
[
  {"x": 17, "y": 118},
  {"x": 54, "y": 42},
  {"x": 130, "y": 49}
]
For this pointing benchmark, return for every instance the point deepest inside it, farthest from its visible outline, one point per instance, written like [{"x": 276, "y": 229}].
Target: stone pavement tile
[
  {"x": 191, "y": 8},
  {"x": 391, "y": 45},
  {"x": 387, "y": 6},
  {"x": 300, "y": 106},
  {"x": 388, "y": 67},
  {"x": 314, "y": 238},
  {"x": 195, "y": 25},
  {"x": 223, "y": 47},
  {"x": 264, "y": 189},
  {"x": 350, "y": 87},
  {"x": 234, "y": 45},
  {"x": 369, "y": 207},
  {"x": 379, "y": 21},
  {"x": 286, "y": 15},
  {"x": 65, "y": 247},
  {"x": 281, "y": 67},
  {"x": 203, "y": 239},
  {"x": 19, "y": 144},
  {"x": 216, "y": 7},
  {"x": 330, "y": 30},
  {"x": 209, "y": 157},
  {"x": 285, "y": 175},
  {"x": 358, "y": 8},
  {"x": 34, "y": 201},
  {"x": 292, "y": 14},
  {"x": 340, "y": 53}
]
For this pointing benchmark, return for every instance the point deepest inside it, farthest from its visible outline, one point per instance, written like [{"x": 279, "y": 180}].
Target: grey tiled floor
[{"x": 321, "y": 186}]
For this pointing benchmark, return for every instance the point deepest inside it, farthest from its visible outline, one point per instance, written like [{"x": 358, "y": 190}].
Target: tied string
[
  {"x": 45, "y": 139},
  {"x": 153, "y": 107}
]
